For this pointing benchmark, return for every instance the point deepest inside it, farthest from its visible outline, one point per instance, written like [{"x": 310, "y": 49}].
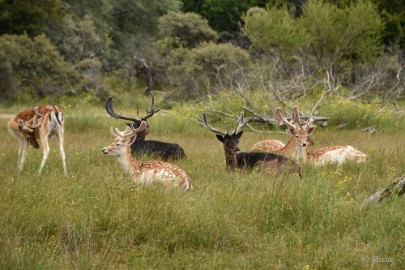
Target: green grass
[{"x": 96, "y": 218}]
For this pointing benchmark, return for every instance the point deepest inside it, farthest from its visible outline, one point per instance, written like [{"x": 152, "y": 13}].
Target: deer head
[
  {"x": 123, "y": 140},
  {"x": 300, "y": 130},
  {"x": 229, "y": 141},
  {"x": 135, "y": 121},
  {"x": 28, "y": 129}
]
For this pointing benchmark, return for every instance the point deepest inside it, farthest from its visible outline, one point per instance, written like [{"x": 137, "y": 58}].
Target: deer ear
[
  {"x": 291, "y": 131},
  {"x": 239, "y": 135},
  {"x": 311, "y": 129},
  {"x": 220, "y": 138},
  {"x": 131, "y": 139}
]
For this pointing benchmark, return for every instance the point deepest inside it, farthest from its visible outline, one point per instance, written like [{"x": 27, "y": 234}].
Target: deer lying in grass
[
  {"x": 264, "y": 162},
  {"x": 40, "y": 123},
  {"x": 269, "y": 145},
  {"x": 299, "y": 140},
  {"x": 144, "y": 172},
  {"x": 273, "y": 145},
  {"x": 140, "y": 147}
]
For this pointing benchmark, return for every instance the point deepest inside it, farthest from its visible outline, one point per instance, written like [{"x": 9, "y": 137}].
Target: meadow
[{"x": 96, "y": 218}]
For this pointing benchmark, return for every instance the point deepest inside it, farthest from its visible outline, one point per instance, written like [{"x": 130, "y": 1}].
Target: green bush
[
  {"x": 33, "y": 68},
  {"x": 207, "y": 69}
]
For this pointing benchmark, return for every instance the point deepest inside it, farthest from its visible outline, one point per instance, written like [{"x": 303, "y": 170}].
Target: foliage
[
  {"x": 79, "y": 38},
  {"x": 27, "y": 16},
  {"x": 321, "y": 32},
  {"x": 223, "y": 16},
  {"x": 275, "y": 30},
  {"x": 33, "y": 67},
  {"x": 207, "y": 69},
  {"x": 187, "y": 29}
]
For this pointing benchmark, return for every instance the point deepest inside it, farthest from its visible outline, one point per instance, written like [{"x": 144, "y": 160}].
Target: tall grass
[{"x": 96, "y": 218}]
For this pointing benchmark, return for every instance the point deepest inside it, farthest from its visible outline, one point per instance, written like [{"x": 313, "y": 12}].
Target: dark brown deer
[
  {"x": 264, "y": 162},
  {"x": 141, "y": 146}
]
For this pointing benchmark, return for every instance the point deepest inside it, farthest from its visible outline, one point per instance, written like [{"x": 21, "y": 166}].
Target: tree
[
  {"x": 186, "y": 29},
  {"x": 336, "y": 37},
  {"x": 33, "y": 67},
  {"x": 29, "y": 16},
  {"x": 207, "y": 69}
]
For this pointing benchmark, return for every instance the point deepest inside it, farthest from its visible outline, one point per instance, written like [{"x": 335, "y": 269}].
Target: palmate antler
[
  {"x": 33, "y": 123},
  {"x": 110, "y": 110}
]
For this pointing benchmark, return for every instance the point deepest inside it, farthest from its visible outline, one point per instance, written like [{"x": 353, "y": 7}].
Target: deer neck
[
  {"x": 293, "y": 149},
  {"x": 127, "y": 161},
  {"x": 230, "y": 159}
]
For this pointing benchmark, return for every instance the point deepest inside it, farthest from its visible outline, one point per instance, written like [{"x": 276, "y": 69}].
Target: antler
[
  {"x": 110, "y": 111},
  {"x": 204, "y": 116},
  {"x": 129, "y": 130},
  {"x": 152, "y": 107},
  {"x": 278, "y": 114},
  {"x": 296, "y": 116},
  {"x": 241, "y": 123},
  {"x": 32, "y": 124}
]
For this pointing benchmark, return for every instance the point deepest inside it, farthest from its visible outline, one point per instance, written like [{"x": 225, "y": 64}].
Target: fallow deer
[
  {"x": 144, "y": 172},
  {"x": 140, "y": 147},
  {"x": 273, "y": 145},
  {"x": 299, "y": 140},
  {"x": 264, "y": 162},
  {"x": 39, "y": 123}
]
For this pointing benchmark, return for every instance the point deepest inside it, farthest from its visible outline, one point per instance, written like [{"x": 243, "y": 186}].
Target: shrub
[
  {"x": 33, "y": 67},
  {"x": 207, "y": 69}
]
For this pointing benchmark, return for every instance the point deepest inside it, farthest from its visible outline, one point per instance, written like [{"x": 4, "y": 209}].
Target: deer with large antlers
[
  {"x": 300, "y": 131},
  {"x": 148, "y": 172},
  {"x": 141, "y": 146},
  {"x": 264, "y": 162},
  {"x": 39, "y": 123}
]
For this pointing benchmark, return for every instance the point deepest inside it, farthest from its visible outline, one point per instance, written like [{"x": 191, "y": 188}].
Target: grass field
[{"x": 96, "y": 218}]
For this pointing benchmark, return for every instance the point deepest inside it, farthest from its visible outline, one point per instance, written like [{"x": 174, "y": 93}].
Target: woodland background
[{"x": 191, "y": 50}]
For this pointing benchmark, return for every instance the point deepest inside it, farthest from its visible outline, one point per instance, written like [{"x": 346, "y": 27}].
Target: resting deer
[
  {"x": 273, "y": 145},
  {"x": 299, "y": 140},
  {"x": 144, "y": 172},
  {"x": 40, "y": 124},
  {"x": 265, "y": 162},
  {"x": 269, "y": 145},
  {"x": 141, "y": 146}
]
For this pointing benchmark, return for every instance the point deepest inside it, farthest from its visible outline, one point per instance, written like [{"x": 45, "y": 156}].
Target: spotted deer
[
  {"x": 273, "y": 145},
  {"x": 148, "y": 172},
  {"x": 264, "y": 162},
  {"x": 39, "y": 123},
  {"x": 296, "y": 146},
  {"x": 141, "y": 146}
]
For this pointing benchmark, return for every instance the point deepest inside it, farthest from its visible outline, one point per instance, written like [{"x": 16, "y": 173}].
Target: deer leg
[
  {"x": 46, "y": 149},
  {"x": 60, "y": 136},
  {"x": 22, "y": 153}
]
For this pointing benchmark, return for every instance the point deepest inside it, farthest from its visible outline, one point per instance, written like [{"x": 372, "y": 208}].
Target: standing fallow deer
[
  {"x": 140, "y": 147},
  {"x": 39, "y": 123},
  {"x": 300, "y": 131},
  {"x": 148, "y": 172},
  {"x": 264, "y": 162}
]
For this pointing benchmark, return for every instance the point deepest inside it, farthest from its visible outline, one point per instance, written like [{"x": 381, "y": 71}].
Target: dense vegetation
[{"x": 188, "y": 49}]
